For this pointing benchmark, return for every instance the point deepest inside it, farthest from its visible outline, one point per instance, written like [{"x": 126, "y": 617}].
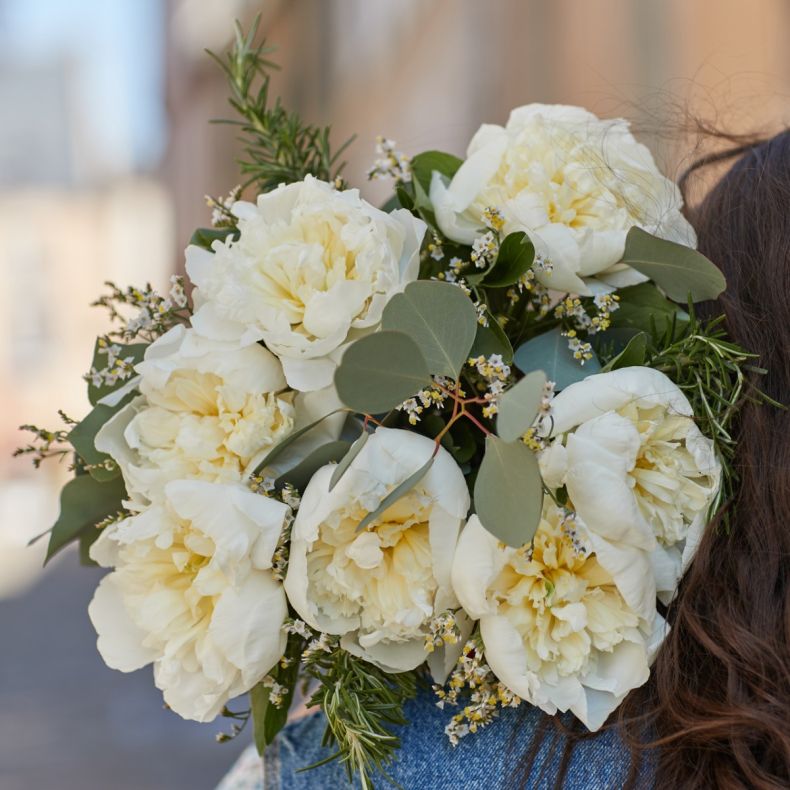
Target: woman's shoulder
[{"x": 489, "y": 758}]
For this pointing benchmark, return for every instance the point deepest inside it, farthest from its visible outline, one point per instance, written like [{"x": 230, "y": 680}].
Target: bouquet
[{"x": 469, "y": 439}]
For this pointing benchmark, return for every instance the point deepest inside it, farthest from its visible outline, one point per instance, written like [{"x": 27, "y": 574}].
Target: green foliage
[
  {"x": 361, "y": 703},
  {"x": 440, "y": 318},
  {"x": 633, "y": 353},
  {"x": 279, "y": 147},
  {"x": 508, "y": 491},
  {"x": 45, "y": 443},
  {"x": 679, "y": 271},
  {"x": 299, "y": 475},
  {"x": 549, "y": 352},
  {"x": 642, "y": 305},
  {"x": 205, "y": 237},
  {"x": 280, "y": 448},
  {"x": 380, "y": 371},
  {"x": 492, "y": 339},
  {"x": 347, "y": 459},
  {"x": 268, "y": 719},
  {"x": 399, "y": 491},
  {"x": 130, "y": 354},
  {"x": 516, "y": 255},
  {"x": 424, "y": 164},
  {"x": 84, "y": 502},
  {"x": 82, "y": 437},
  {"x": 519, "y": 406}
]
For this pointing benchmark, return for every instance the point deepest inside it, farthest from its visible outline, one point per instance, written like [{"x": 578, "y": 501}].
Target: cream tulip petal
[{"x": 120, "y": 641}]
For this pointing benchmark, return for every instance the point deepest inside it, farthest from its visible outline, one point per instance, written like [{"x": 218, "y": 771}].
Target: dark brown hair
[
  {"x": 716, "y": 710},
  {"x": 718, "y": 702}
]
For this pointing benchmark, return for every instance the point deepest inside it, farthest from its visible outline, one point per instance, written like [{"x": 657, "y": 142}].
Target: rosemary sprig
[
  {"x": 715, "y": 376},
  {"x": 279, "y": 146},
  {"x": 360, "y": 702}
]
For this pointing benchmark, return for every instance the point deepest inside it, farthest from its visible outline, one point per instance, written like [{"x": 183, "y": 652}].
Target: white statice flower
[
  {"x": 312, "y": 266},
  {"x": 206, "y": 411},
  {"x": 192, "y": 592},
  {"x": 637, "y": 470},
  {"x": 573, "y": 182},
  {"x": 556, "y": 628},
  {"x": 381, "y": 588}
]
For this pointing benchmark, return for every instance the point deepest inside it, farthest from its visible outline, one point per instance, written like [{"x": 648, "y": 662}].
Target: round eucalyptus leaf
[
  {"x": 509, "y": 491},
  {"x": 679, "y": 271},
  {"x": 440, "y": 318},
  {"x": 519, "y": 406},
  {"x": 380, "y": 371},
  {"x": 549, "y": 352}
]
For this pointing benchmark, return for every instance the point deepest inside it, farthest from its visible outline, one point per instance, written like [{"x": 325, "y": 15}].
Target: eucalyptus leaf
[
  {"x": 205, "y": 237},
  {"x": 396, "y": 493},
  {"x": 679, "y": 271},
  {"x": 134, "y": 350},
  {"x": 343, "y": 464},
  {"x": 549, "y": 352},
  {"x": 84, "y": 502},
  {"x": 279, "y": 449},
  {"x": 516, "y": 255},
  {"x": 423, "y": 165},
  {"x": 519, "y": 406},
  {"x": 380, "y": 371},
  {"x": 633, "y": 354},
  {"x": 490, "y": 340},
  {"x": 508, "y": 492},
  {"x": 440, "y": 318},
  {"x": 300, "y": 475}
]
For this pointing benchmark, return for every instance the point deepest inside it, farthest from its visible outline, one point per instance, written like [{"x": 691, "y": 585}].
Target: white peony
[
  {"x": 311, "y": 265},
  {"x": 574, "y": 183},
  {"x": 192, "y": 592},
  {"x": 555, "y": 627},
  {"x": 206, "y": 411},
  {"x": 637, "y": 471},
  {"x": 380, "y": 588}
]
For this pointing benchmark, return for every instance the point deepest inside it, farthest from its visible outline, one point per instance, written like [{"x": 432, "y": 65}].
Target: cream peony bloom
[
  {"x": 191, "y": 591},
  {"x": 206, "y": 411},
  {"x": 574, "y": 183},
  {"x": 637, "y": 471},
  {"x": 556, "y": 628},
  {"x": 380, "y": 588},
  {"x": 311, "y": 265}
]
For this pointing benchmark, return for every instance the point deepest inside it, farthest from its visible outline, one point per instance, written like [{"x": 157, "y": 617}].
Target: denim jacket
[{"x": 487, "y": 759}]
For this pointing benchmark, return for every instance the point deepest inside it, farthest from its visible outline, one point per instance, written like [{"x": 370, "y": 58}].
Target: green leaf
[
  {"x": 205, "y": 237},
  {"x": 516, "y": 255},
  {"x": 549, "y": 352},
  {"x": 639, "y": 304},
  {"x": 423, "y": 165},
  {"x": 440, "y": 318},
  {"x": 509, "y": 492},
  {"x": 83, "y": 435},
  {"x": 84, "y": 502},
  {"x": 633, "y": 354},
  {"x": 519, "y": 406},
  {"x": 134, "y": 350},
  {"x": 279, "y": 449},
  {"x": 299, "y": 476},
  {"x": 347, "y": 459},
  {"x": 86, "y": 540},
  {"x": 380, "y": 371},
  {"x": 490, "y": 340},
  {"x": 396, "y": 494},
  {"x": 677, "y": 270}
]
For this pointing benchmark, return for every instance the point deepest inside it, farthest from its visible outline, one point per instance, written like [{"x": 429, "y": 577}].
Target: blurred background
[{"x": 106, "y": 152}]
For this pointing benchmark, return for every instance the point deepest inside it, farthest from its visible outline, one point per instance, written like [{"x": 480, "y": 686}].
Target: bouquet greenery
[{"x": 469, "y": 439}]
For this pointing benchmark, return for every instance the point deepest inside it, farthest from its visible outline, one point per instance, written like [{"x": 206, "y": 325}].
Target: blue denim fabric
[{"x": 486, "y": 759}]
